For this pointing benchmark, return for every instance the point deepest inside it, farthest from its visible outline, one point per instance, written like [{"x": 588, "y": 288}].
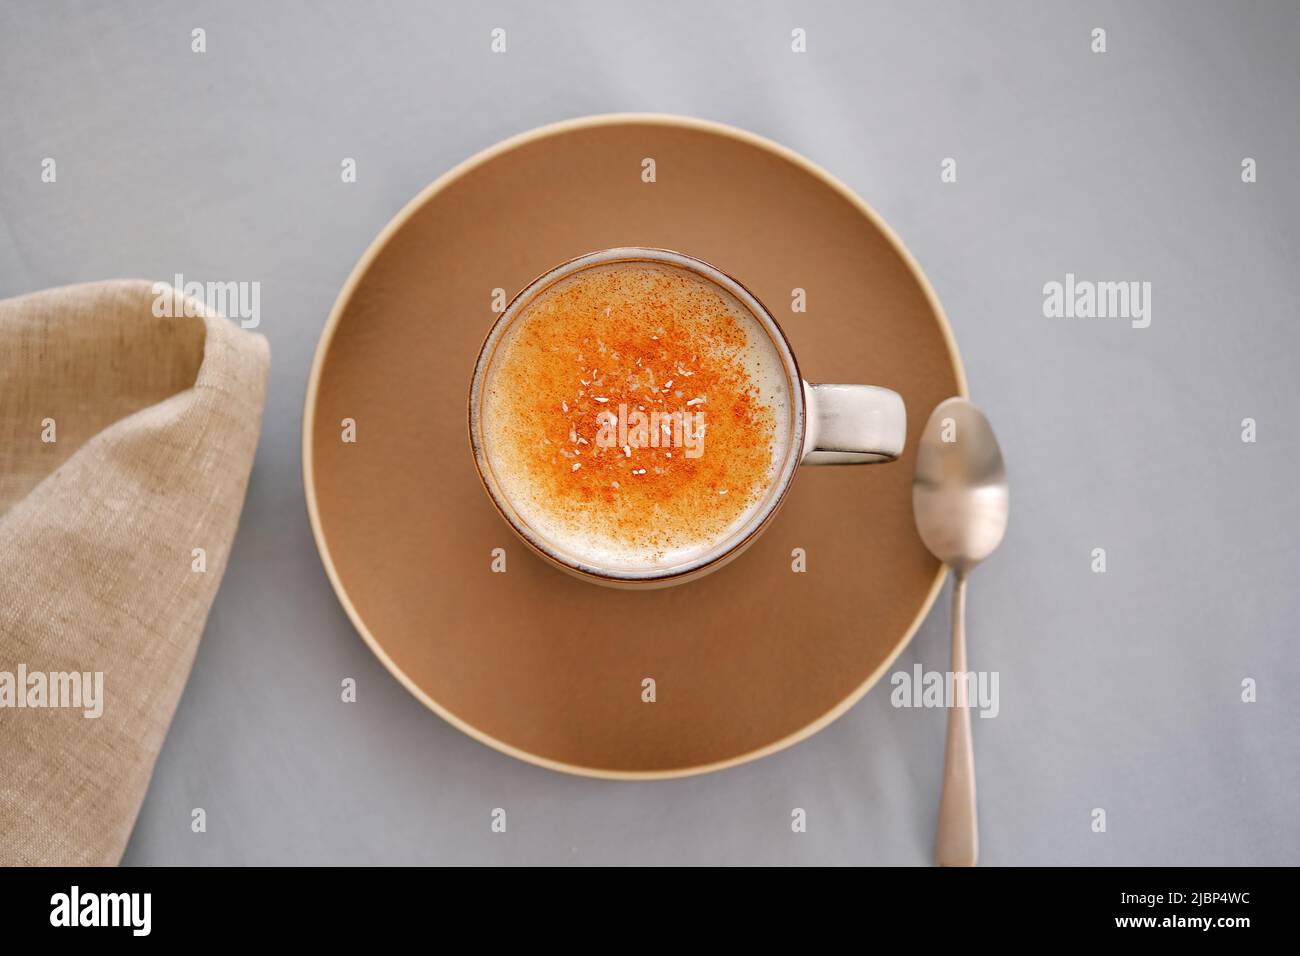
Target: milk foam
[{"x": 575, "y": 532}]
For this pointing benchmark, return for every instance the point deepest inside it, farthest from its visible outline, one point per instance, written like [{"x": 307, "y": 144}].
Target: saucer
[{"x": 541, "y": 665}]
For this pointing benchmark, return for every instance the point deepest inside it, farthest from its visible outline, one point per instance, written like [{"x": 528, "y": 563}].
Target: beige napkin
[{"x": 126, "y": 441}]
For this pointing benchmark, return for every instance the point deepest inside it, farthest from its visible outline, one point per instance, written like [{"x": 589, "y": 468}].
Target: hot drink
[{"x": 635, "y": 415}]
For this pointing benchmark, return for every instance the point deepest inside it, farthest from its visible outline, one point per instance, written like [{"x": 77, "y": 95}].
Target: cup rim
[{"x": 722, "y": 551}]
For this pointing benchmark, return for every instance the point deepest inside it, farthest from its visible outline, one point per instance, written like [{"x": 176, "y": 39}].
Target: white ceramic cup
[{"x": 828, "y": 425}]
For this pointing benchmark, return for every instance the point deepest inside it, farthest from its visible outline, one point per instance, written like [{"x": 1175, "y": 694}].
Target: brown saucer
[{"x": 543, "y": 666}]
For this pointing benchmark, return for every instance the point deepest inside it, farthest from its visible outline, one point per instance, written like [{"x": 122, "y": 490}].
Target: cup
[{"x": 800, "y": 423}]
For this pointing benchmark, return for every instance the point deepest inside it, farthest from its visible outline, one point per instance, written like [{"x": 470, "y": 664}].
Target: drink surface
[{"x": 635, "y": 415}]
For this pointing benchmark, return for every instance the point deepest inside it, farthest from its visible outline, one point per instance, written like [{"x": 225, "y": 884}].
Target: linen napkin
[{"x": 129, "y": 417}]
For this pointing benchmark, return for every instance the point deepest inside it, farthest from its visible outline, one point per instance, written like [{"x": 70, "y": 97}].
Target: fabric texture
[{"x": 126, "y": 442}]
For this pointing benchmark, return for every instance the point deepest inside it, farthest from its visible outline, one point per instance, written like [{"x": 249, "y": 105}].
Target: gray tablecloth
[{"x": 1120, "y": 691}]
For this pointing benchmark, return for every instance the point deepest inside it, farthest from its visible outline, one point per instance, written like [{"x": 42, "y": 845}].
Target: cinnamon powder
[{"x": 652, "y": 339}]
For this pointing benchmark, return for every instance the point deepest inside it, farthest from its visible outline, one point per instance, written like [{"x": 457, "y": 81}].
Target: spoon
[{"x": 960, "y": 500}]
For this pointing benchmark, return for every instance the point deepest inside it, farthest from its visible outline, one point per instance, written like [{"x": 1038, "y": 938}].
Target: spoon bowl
[{"x": 959, "y": 495}]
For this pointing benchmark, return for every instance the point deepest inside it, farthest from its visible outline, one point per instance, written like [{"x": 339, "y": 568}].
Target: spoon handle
[{"x": 957, "y": 842}]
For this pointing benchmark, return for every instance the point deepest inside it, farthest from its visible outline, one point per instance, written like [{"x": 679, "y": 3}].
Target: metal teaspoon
[{"x": 960, "y": 501}]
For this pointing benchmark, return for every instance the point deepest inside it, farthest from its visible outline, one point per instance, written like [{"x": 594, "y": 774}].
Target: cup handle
[{"x": 853, "y": 425}]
